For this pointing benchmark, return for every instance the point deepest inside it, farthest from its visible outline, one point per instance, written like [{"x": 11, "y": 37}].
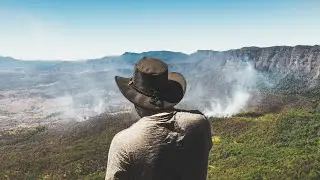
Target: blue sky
[{"x": 58, "y": 29}]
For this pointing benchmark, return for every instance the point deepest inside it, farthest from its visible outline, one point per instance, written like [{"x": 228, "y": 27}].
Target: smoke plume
[{"x": 217, "y": 85}]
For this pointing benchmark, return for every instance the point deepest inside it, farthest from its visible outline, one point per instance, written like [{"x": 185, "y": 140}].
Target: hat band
[{"x": 154, "y": 94}]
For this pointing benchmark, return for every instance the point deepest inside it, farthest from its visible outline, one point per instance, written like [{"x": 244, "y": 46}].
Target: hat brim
[{"x": 171, "y": 95}]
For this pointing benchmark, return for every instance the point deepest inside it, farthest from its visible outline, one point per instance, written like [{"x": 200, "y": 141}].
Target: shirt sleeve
[{"x": 118, "y": 161}]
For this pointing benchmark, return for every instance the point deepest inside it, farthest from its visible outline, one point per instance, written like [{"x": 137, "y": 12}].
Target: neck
[{"x": 147, "y": 112}]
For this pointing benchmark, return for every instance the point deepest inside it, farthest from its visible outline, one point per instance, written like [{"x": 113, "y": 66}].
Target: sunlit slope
[
  {"x": 270, "y": 146},
  {"x": 283, "y": 145}
]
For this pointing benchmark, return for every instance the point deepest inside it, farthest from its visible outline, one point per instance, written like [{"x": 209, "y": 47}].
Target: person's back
[
  {"x": 165, "y": 146},
  {"x": 166, "y": 143}
]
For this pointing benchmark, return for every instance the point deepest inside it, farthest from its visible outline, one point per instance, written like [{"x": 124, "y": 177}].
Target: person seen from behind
[{"x": 166, "y": 143}]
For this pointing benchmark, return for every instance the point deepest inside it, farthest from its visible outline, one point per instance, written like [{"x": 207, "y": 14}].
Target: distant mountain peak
[
  {"x": 8, "y": 58},
  {"x": 130, "y": 54},
  {"x": 163, "y": 55},
  {"x": 152, "y": 53},
  {"x": 204, "y": 51}
]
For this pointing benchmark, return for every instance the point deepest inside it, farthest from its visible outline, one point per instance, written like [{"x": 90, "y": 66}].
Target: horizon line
[{"x": 141, "y": 52}]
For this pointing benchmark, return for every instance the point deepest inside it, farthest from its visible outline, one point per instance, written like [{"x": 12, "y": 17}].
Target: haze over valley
[{"x": 219, "y": 83}]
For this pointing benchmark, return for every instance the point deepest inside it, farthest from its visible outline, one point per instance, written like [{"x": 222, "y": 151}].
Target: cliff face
[{"x": 300, "y": 61}]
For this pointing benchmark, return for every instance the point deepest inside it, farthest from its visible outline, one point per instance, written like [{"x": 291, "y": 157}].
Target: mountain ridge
[
  {"x": 301, "y": 61},
  {"x": 162, "y": 51}
]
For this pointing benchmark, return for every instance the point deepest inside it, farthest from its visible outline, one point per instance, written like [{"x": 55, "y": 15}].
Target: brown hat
[{"x": 152, "y": 86}]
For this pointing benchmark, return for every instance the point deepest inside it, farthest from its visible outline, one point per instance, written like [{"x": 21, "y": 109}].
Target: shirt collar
[{"x": 163, "y": 116}]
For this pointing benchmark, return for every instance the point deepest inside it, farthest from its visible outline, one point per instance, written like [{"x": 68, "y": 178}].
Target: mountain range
[
  {"x": 219, "y": 82},
  {"x": 304, "y": 60}
]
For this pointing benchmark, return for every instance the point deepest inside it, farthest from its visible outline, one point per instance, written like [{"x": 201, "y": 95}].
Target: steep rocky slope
[{"x": 299, "y": 60}]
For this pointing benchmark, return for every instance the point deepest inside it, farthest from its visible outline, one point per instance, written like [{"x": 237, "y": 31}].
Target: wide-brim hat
[{"x": 152, "y": 86}]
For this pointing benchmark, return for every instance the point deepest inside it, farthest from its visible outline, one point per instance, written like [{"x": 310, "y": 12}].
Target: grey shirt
[{"x": 165, "y": 146}]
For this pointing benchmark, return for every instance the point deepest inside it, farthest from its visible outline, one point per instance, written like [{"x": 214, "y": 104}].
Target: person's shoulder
[
  {"x": 191, "y": 118},
  {"x": 191, "y": 114},
  {"x": 123, "y": 136},
  {"x": 128, "y": 136},
  {"x": 120, "y": 137}
]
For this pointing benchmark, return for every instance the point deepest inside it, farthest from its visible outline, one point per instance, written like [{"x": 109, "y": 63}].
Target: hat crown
[
  {"x": 151, "y": 66},
  {"x": 150, "y": 74}
]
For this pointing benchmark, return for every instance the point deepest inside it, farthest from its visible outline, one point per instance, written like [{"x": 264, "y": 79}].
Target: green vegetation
[
  {"x": 79, "y": 152},
  {"x": 282, "y": 145},
  {"x": 273, "y": 146}
]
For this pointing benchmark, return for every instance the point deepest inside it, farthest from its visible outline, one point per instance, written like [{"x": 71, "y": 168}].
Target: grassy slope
[
  {"x": 283, "y": 145},
  {"x": 76, "y": 152},
  {"x": 273, "y": 146}
]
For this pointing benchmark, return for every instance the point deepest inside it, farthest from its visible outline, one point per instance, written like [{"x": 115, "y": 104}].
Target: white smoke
[
  {"x": 244, "y": 82},
  {"x": 233, "y": 105},
  {"x": 217, "y": 85}
]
